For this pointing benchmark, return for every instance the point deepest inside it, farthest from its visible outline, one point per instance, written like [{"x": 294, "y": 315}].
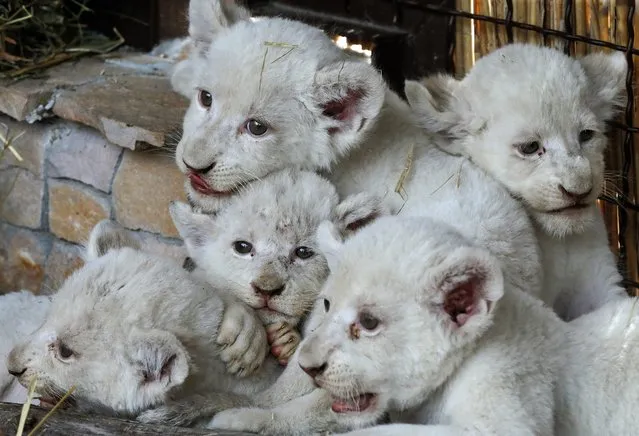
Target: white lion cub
[
  {"x": 598, "y": 383},
  {"x": 535, "y": 119},
  {"x": 130, "y": 331},
  {"x": 261, "y": 247},
  {"x": 274, "y": 93},
  {"x": 425, "y": 330}
]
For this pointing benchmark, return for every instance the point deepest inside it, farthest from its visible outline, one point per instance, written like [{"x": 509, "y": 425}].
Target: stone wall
[{"x": 71, "y": 176}]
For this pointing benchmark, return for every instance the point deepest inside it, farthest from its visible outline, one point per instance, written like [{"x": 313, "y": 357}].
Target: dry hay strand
[
  {"x": 399, "y": 187},
  {"x": 27, "y": 406},
  {"x": 274, "y": 44},
  {"x": 38, "y": 34},
  {"x": 7, "y": 142},
  {"x": 53, "y": 409}
]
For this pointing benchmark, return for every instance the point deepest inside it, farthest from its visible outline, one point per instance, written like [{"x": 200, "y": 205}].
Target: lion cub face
[
  {"x": 265, "y": 95},
  {"x": 535, "y": 119},
  {"x": 262, "y": 247},
  {"x": 398, "y": 323},
  {"x": 98, "y": 338}
]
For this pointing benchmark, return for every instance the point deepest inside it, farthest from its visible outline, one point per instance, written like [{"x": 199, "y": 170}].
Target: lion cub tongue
[{"x": 358, "y": 404}]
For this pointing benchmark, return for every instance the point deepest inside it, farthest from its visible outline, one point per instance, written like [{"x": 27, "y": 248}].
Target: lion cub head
[
  {"x": 262, "y": 248},
  {"x": 99, "y": 335},
  {"x": 265, "y": 95},
  {"x": 406, "y": 301},
  {"x": 535, "y": 119}
]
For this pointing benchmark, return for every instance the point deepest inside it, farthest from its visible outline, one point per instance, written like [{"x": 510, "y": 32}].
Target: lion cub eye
[
  {"x": 205, "y": 98},
  {"x": 586, "y": 135},
  {"x": 256, "y": 128},
  {"x": 327, "y": 304},
  {"x": 529, "y": 148},
  {"x": 242, "y": 247},
  {"x": 368, "y": 321},
  {"x": 64, "y": 352},
  {"x": 304, "y": 252}
]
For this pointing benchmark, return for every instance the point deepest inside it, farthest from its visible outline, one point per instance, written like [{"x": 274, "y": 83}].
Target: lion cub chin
[
  {"x": 131, "y": 331},
  {"x": 261, "y": 247},
  {"x": 422, "y": 330},
  {"x": 535, "y": 120}
]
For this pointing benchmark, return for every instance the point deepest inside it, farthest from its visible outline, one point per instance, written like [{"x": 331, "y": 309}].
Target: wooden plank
[
  {"x": 65, "y": 423},
  {"x": 172, "y": 18}
]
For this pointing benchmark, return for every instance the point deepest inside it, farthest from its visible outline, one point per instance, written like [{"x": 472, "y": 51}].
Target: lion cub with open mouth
[
  {"x": 425, "y": 331},
  {"x": 431, "y": 336}
]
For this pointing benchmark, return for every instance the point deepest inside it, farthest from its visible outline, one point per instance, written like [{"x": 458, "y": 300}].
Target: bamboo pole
[
  {"x": 499, "y": 11},
  {"x": 604, "y": 19},
  {"x": 468, "y": 37},
  {"x": 491, "y": 31},
  {"x": 580, "y": 25},
  {"x": 458, "y": 55},
  {"x": 536, "y": 12},
  {"x": 481, "y": 37},
  {"x": 620, "y": 36},
  {"x": 632, "y": 233},
  {"x": 555, "y": 21},
  {"x": 520, "y": 14}
]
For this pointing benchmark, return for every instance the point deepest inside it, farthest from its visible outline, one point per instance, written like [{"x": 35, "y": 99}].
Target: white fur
[
  {"x": 242, "y": 338},
  {"x": 142, "y": 332},
  {"x": 21, "y": 313},
  {"x": 326, "y": 111},
  {"x": 276, "y": 215},
  {"x": 523, "y": 93},
  {"x": 494, "y": 374},
  {"x": 597, "y": 386}
]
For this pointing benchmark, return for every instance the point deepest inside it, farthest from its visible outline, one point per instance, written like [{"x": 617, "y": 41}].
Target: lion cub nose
[
  {"x": 314, "y": 371},
  {"x": 203, "y": 170},
  {"x": 574, "y": 195},
  {"x": 17, "y": 373},
  {"x": 271, "y": 292}
]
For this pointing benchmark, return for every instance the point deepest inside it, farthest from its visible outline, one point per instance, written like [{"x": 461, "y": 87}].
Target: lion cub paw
[
  {"x": 244, "y": 420},
  {"x": 243, "y": 340},
  {"x": 283, "y": 339}
]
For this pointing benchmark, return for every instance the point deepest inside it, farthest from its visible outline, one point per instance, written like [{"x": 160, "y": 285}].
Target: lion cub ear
[
  {"x": 161, "y": 361},
  {"x": 606, "y": 74},
  {"x": 465, "y": 288},
  {"x": 108, "y": 235},
  {"x": 439, "y": 105},
  {"x": 329, "y": 241},
  {"x": 209, "y": 17},
  {"x": 348, "y": 94},
  {"x": 194, "y": 227},
  {"x": 357, "y": 211}
]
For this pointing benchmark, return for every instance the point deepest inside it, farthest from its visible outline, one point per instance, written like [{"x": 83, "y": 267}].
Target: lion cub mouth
[
  {"x": 357, "y": 404},
  {"x": 569, "y": 210},
  {"x": 50, "y": 402},
  {"x": 200, "y": 185}
]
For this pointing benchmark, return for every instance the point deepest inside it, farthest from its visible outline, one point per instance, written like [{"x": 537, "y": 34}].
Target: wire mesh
[
  {"x": 427, "y": 30},
  {"x": 623, "y": 220}
]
